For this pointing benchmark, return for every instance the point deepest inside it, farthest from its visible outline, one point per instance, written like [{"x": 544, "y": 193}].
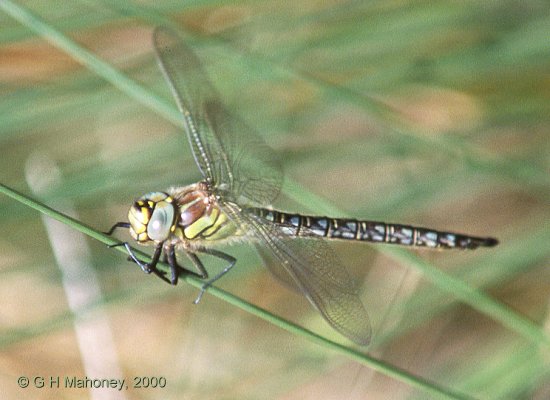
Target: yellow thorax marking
[{"x": 204, "y": 222}]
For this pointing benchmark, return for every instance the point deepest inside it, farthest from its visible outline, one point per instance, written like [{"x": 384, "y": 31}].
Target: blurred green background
[{"x": 428, "y": 113}]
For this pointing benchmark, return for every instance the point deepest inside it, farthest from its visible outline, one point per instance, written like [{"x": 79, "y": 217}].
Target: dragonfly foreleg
[
  {"x": 117, "y": 225},
  {"x": 216, "y": 253}
]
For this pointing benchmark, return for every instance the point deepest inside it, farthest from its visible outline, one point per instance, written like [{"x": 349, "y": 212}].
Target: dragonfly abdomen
[{"x": 371, "y": 231}]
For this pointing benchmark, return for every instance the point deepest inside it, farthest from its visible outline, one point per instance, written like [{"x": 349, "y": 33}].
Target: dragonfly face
[{"x": 152, "y": 217}]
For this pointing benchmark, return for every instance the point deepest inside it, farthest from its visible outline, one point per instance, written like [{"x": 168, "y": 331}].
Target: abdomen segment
[{"x": 371, "y": 231}]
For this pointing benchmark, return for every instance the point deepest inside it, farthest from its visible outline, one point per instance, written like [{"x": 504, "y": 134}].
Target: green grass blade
[{"x": 90, "y": 61}]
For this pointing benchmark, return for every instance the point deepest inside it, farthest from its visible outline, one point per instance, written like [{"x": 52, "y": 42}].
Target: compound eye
[{"x": 161, "y": 221}]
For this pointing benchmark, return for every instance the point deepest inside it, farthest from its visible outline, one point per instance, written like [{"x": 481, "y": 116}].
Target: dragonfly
[{"x": 242, "y": 176}]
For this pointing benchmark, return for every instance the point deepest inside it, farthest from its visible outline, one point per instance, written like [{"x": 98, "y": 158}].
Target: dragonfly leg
[
  {"x": 117, "y": 225},
  {"x": 170, "y": 257},
  {"x": 150, "y": 267},
  {"x": 216, "y": 253},
  {"x": 203, "y": 274},
  {"x": 177, "y": 269}
]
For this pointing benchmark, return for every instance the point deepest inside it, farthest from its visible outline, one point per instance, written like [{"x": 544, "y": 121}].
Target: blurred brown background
[{"x": 403, "y": 111}]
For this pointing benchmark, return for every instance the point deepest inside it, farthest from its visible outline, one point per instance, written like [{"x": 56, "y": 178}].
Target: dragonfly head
[{"x": 152, "y": 217}]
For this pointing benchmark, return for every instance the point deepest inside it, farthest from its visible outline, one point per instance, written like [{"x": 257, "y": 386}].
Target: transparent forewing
[
  {"x": 316, "y": 271},
  {"x": 228, "y": 153},
  {"x": 255, "y": 168}
]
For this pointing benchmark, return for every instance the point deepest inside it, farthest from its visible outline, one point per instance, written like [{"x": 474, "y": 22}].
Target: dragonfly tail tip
[{"x": 490, "y": 242}]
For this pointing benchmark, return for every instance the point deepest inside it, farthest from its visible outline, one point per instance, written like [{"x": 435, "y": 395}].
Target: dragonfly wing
[
  {"x": 256, "y": 173},
  {"x": 230, "y": 155},
  {"x": 190, "y": 88},
  {"x": 277, "y": 270},
  {"x": 315, "y": 270}
]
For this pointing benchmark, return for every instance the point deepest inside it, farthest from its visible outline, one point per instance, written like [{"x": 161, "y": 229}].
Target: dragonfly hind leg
[{"x": 198, "y": 263}]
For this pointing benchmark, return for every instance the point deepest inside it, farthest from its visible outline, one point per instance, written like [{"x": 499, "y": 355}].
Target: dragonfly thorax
[
  {"x": 198, "y": 213},
  {"x": 152, "y": 217}
]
